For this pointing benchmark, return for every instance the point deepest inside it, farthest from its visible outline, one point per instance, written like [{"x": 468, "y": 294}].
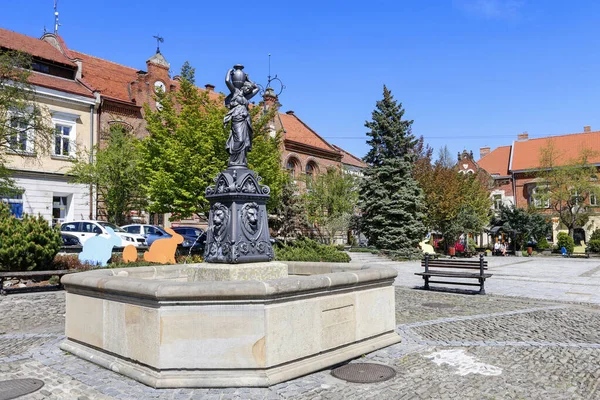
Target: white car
[{"x": 86, "y": 229}]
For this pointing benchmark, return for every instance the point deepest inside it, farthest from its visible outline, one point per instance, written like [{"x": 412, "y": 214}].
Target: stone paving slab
[
  {"x": 551, "y": 278},
  {"x": 455, "y": 346}
]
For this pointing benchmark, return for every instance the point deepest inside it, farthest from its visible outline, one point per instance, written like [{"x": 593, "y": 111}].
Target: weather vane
[
  {"x": 159, "y": 40},
  {"x": 272, "y": 79}
]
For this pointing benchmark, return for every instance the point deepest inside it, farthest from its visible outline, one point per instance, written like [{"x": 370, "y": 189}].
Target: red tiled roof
[
  {"x": 568, "y": 149},
  {"x": 35, "y": 47},
  {"x": 496, "y": 162},
  {"x": 350, "y": 159},
  {"x": 111, "y": 79},
  {"x": 298, "y": 131},
  {"x": 62, "y": 84}
]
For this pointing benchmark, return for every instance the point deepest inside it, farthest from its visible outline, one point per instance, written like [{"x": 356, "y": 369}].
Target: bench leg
[
  {"x": 426, "y": 287},
  {"x": 481, "y": 286}
]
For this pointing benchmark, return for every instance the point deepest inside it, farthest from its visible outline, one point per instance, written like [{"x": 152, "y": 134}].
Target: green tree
[
  {"x": 288, "y": 217},
  {"x": 526, "y": 225},
  {"x": 26, "y": 244},
  {"x": 115, "y": 174},
  {"x": 188, "y": 73},
  {"x": 566, "y": 186},
  {"x": 390, "y": 199},
  {"x": 330, "y": 200},
  {"x": 24, "y": 124},
  {"x": 455, "y": 203},
  {"x": 186, "y": 150}
]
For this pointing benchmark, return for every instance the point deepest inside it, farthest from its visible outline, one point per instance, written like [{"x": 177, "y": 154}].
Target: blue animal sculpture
[{"x": 97, "y": 250}]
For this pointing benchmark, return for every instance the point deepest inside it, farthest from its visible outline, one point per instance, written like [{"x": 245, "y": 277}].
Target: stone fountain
[{"x": 239, "y": 318}]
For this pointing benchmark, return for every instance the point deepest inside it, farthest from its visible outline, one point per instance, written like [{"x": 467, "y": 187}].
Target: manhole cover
[
  {"x": 364, "y": 373},
  {"x": 438, "y": 305},
  {"x": 18, "y": 387}
]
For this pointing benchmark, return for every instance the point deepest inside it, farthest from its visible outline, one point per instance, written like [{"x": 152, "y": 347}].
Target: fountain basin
[{"x": 162, "y": 327}]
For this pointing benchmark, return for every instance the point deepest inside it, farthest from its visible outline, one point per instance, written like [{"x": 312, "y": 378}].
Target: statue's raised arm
[{"x": 228, "y": 80}]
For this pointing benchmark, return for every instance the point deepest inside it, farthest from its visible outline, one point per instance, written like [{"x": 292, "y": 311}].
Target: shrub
[
  {"x": 26, "y": 244},
  {"x": 566, "y": 241},
  {"x": 542, "y": 244},
  {"x": 70, "y": 261},
  {"x": 594, "y": 245},
  {"x": 305, "y": 249}
]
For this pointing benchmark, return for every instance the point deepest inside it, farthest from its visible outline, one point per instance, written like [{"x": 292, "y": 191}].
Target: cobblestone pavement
[{"x": 455, "y": 346}]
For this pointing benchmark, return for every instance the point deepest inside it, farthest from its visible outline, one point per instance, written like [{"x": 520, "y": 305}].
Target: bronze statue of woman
[{"x": 242, "y": 90}]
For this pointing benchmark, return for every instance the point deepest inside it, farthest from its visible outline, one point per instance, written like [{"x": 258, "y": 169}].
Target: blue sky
[{"x": 470, "y": 73}]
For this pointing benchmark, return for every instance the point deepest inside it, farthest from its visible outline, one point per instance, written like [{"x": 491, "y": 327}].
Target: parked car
[
  {"x": 153, "y": 232},
  {"x": 69, "y": 239},
  {"x": 86, "y": 229},
  {"x": 190, "y": 231}
]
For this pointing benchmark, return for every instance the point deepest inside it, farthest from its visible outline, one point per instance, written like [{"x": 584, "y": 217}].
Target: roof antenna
[
  {"x": 159, "y": 40},
  {"x": 56, "y": 24}
]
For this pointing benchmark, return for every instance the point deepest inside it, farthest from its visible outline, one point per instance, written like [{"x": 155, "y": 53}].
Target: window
[
  {"x": 291, "y": 167},
  {"x": 593, "y": 199},
  {"x": 71, "y": 227},
  {"x": 62, "y": 140},
  {"x": 537, "y": 199},
  {"x": 64, "y": 133},
  {"x": 20, "y": 134},
  {"x": 310, "y": 169},
  {"x": 15, "y": 203},
  {"x": 133, "y": 229},
  {"x": 497, "y": 201},
  {"x": 40, "y": 67}
]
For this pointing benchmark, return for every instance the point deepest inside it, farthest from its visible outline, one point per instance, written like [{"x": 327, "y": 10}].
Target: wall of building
[
  {"x": 40, "y": 189},
  {"x": 63, "y": 112}
]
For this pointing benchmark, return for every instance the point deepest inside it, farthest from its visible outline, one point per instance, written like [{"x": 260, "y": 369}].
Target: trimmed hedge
[
  {"x": 305, "y": 249},
  {"x": 566, "y": 241}
]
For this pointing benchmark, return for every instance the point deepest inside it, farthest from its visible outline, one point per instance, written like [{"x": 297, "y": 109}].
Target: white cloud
[{"x": 491, "y": 9}]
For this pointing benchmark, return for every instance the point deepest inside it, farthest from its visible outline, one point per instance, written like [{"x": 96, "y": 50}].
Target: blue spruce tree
[{"x": 390, "y": 198}]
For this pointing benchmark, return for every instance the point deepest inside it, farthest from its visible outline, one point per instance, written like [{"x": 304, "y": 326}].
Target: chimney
[
  {"x": 523, "y": 136},
  {"x": 484, "y": 151},
  {"x": 587, "y": 128},
  {"x": 209, "y": 87},
  {"x": 290, "y": 112}
]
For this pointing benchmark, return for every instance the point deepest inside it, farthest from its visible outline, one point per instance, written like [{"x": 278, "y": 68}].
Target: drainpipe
[
  {"x": 514, "y": 185},
  {"x": 91, "y": 158}
]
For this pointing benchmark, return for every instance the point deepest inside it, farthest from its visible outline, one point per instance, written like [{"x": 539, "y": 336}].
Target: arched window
[
  {"x": 311, "y": 169},
  {"x": 291, "y": 166}
]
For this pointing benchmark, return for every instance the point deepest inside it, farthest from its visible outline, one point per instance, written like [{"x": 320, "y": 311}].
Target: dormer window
[{"x": 40, "y": 67}]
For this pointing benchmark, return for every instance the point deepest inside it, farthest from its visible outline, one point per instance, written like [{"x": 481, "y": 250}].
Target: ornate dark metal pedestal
[{"x": 238, "y": 222}]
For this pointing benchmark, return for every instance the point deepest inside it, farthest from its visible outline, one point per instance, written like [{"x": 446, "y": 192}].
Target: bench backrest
[{"x": 480, "y": 264}]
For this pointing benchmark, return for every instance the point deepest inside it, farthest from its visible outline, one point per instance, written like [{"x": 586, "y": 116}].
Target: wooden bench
[
  {"x": 32, "y": 274},
  {"x": 444, "y": 268}
]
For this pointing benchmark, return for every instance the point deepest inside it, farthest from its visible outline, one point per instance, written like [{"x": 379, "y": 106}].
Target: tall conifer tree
[{"x": 391, "y": 200}]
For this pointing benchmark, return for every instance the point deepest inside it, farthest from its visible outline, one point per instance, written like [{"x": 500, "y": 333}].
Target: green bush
[
  {"x": 305, "y": 249},
  {"x": 542, "y": 244},
  {"x": 595, "y": 235},
  {"x": 26, "y": 244},
  {"x": 594, "y": 245},
  {"x": 566, "y": 241}
]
